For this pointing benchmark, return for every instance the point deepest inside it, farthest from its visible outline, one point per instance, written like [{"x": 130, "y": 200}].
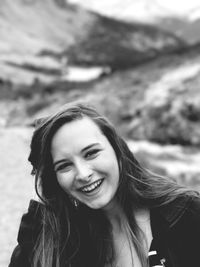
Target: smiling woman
[
  {"x": 85, "y": 164},
  {"x": 98, "y": 206}
]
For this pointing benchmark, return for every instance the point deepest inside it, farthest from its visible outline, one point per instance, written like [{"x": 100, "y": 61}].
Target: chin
[
  {"x": 101, "y": 204},
  {"x": 96, "y": 206}
]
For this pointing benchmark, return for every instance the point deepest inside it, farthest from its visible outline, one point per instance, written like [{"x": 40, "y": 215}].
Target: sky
[
  {"x": 143, "y": 8},
  {"x": 179, "y": 6}
]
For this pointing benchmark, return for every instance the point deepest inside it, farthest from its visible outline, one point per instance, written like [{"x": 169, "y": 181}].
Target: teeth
[{"x": 91, "y": 187}]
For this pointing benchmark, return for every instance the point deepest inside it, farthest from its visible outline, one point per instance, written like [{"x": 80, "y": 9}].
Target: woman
[{"x": 98, "y": 207}]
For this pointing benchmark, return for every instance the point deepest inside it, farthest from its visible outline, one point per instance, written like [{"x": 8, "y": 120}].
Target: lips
[{"x": 91, "y": 187}]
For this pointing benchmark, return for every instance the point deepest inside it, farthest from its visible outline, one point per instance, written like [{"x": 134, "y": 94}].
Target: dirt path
[{"x": 16, "y": 186}]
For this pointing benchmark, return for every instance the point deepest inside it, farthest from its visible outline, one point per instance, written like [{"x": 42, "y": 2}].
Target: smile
[{"x": 90, "y": 188}]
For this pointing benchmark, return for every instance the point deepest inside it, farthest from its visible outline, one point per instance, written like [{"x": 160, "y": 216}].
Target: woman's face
[{"x": 85, "y": 163}]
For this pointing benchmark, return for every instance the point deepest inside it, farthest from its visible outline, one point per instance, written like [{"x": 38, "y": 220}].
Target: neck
[
  {"x": 115, "y": 214},
  {"x": 142, "y": 215},
  {"x": 118, "y": 219}
]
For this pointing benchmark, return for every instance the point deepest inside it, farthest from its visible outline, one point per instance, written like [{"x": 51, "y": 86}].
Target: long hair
[{"x": 82, "y": 237}]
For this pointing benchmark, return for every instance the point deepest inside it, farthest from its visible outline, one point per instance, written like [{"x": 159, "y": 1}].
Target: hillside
[
  {"x": 45, "y": 36},
  {"x": 187, "y": 30},
  {"x": 157, "y": 101},
  {"x": 181, "y": 20}
]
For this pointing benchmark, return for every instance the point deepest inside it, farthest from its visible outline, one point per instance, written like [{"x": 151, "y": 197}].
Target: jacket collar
[
  {"x": 173, "y": 211},
  {"x": 165, "y": 217}
]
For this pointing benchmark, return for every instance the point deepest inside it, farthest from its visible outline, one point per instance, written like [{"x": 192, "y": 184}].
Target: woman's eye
[
  {"x": 92, "y": 153},
  {"x": 64, "y": 167}
]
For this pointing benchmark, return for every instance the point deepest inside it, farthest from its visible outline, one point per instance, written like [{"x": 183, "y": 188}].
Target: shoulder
[
  {"x": 194, "y": 206},
  {"x": 177, "y": 226},
  {"x": 184, "y": 234},
  {"x": 184, "y": 206},
  {"x": 30, "y": 226},
  {"x": 192, "y": 212},
  {"x": 31, "y": 222}
]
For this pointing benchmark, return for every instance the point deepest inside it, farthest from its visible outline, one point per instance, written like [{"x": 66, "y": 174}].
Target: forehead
[{"x": 78, "y": 133}]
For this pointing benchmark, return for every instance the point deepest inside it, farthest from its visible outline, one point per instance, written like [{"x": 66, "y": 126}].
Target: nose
[{"x": 83, "y": 171}]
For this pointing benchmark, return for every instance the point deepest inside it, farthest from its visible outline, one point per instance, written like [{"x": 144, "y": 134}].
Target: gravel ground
[{"x": 16, "y": 186}]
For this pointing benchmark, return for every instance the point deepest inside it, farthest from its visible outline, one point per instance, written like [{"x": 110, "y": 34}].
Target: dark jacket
[{"x": 175, "y": 227}]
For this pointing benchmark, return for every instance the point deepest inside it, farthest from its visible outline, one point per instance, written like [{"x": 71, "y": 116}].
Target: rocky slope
[{"x": 158, "y": 101}]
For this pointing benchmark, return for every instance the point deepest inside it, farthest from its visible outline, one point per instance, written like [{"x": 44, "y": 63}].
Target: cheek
[
  {"x": 112, "y": 162},
  {"x": 65, "y": 181},
  {"x": 110, "y": 165}
]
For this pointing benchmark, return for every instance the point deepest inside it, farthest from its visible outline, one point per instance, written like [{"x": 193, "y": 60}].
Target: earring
[{"x": 76, "y": 203}]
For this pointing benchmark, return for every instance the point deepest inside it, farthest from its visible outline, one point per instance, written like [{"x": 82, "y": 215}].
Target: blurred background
[{"x": 137, "y": 61}]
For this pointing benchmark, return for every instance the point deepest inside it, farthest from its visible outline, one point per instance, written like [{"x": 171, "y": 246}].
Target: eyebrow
[
  {"x": 83, "y": 150},
  {"x": 88, "y": 147}
]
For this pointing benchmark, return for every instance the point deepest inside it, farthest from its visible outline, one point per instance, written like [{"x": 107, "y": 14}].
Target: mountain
[
  {"x": 121, "y": 44},
  {"x": 46, "y": 35},
  {"x": 29, "y": 27},
  {"x": 186, "y": 29},
  {"x": 184, "y": 21}
]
